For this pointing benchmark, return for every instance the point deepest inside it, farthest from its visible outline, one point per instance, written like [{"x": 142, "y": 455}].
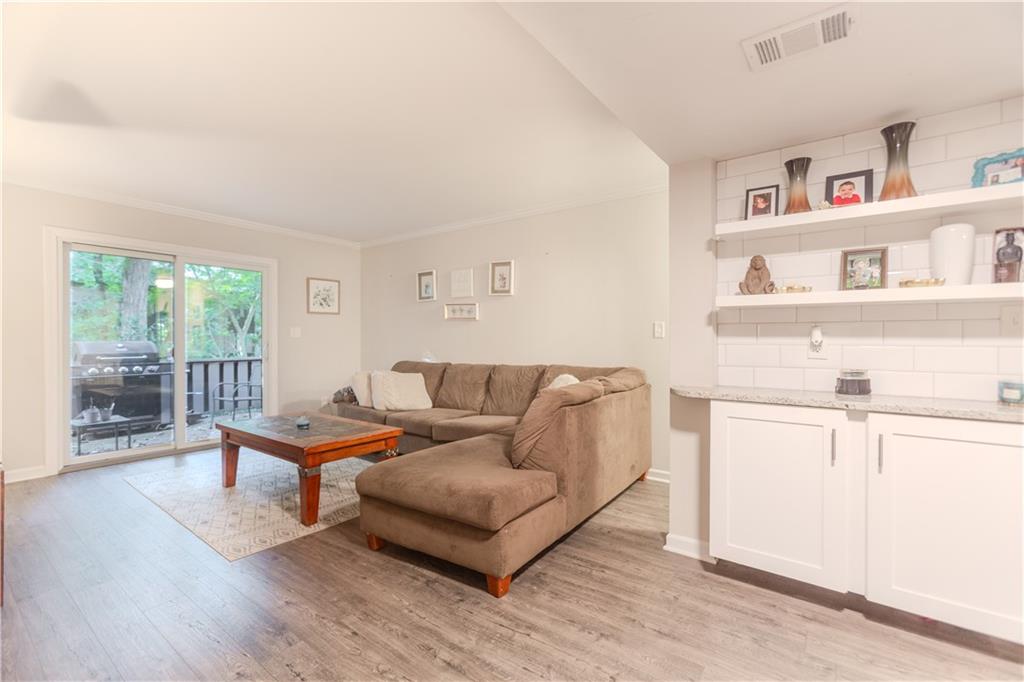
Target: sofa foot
[
  {"x": 498, "y": 587},
  {"x": 643, "y": 476},
  {"x": 375, "y": 543}
]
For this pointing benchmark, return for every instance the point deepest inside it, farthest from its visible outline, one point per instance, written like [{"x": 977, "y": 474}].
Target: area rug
[{"x": 260, "y": 512}]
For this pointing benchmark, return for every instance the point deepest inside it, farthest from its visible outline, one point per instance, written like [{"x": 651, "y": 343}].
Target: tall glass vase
[
  {"x": 897, "y": 168},
  {"x": 797, "y": 169}
]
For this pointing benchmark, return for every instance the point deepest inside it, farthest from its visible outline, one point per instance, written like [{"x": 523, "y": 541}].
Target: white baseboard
[
  {"x": 25, "y": 474},
  {"x": 660, "y": 475},
  {"x": 691, "y": 547}
]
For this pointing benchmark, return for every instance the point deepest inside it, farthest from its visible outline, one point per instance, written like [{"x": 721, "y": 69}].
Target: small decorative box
[{"x": 1011, "y": 392}]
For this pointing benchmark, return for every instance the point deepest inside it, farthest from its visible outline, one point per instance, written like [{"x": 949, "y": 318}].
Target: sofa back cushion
[
  {"x": 433, "y": 374},
  {"x": 581, "y": 373},
  {"x": 529, "y": 449},
  {"x": 464, "y": 387},
  {"x": 511, "y": 389}
]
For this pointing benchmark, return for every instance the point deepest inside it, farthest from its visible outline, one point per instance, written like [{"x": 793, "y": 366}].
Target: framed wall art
[
  {"x": 462, "y": 283},
  {"x": 461, "y": 311},
  {"x": 847, "y": 189},
  {"x": 762, "y": 202},
  {"x": 864, "y": 268},
  {"x": 323, "y": 296},
  {"x": 426, "y": 285},
  {"x": 502, "y": 278}
]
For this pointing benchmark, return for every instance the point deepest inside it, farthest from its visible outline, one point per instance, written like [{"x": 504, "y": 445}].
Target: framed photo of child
[
  {"x": 761, "y": 202},
  {"x": 864, "y": 268},
  {"x": 847, "y": 189}
]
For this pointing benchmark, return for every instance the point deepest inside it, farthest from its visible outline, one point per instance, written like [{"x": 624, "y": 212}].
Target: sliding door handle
[
  {"x": 833, "y": 447},
  {"x": 880, "y": 455}
]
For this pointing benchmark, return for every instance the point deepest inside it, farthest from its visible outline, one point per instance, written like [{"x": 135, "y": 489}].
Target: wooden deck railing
[{"x": 203, "y": 375}]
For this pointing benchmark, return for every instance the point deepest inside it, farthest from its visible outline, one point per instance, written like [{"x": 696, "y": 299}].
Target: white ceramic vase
[{"x": 951, "y": 253}]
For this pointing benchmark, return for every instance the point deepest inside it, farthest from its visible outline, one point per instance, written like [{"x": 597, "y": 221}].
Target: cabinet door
[
  {"x": 944, "y": 520},
  {"x": 778, "y": 493}
]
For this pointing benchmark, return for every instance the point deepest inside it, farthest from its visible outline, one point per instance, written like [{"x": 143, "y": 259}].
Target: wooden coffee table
[{"x": 328, "y": 439}]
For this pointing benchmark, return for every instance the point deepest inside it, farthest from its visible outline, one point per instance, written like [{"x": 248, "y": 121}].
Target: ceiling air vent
[{"x": 800, "y": 36}]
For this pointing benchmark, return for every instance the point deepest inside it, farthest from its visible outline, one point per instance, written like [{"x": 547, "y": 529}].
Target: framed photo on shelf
[
  {"x": 762, "y": 202},
  {"x": 462, "y": 283},
  {"x": 1007, "y": 253},
  {"x": 426, "y": 285},
  {"x": 864, "y": 268},
  {"x": 847, "y": 189},
  {"x": 323, "y": 296},
  {"x": 461, "y": 311},
  {"x": 999, "y": 169},
  {"x": 502, "y": 278}
]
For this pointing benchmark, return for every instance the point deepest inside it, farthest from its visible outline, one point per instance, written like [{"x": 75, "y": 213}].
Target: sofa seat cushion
[
  {"x": 421, "y": 422},
  {"x": 365, "y": 414},
  {"x": 475, "y": 425},
  {"x": 469, "y": 481}
]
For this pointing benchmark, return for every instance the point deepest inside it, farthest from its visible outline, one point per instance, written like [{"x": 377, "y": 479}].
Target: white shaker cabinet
[
  {"x": 778, "y": 492},
  {"x": 944, "y": 520}
]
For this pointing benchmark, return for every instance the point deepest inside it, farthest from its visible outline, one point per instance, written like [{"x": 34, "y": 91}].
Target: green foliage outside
[{"x": 115, "y": 298}]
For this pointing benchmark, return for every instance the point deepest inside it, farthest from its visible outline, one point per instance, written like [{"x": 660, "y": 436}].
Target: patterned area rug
[{"x": 261, "y": 511}]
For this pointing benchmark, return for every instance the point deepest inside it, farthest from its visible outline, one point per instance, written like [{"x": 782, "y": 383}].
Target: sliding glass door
[{"x": 136, "y": 382}]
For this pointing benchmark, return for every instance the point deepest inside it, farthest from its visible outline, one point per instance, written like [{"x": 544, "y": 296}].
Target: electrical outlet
[
  {"x": 817, "y": 349},
  {"x": 659, "y": 330}
]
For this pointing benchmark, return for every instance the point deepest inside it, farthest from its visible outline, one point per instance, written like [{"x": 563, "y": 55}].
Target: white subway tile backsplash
[
  {"x": 779, "y": 377},
  {"x": 914, "y": 256},
  {"x": 767, "y": 246},
  {"x": 737, "y": 333},
  {"x": 828, "y": 313},
  {"x": 822, "y": 168},
  {"x": 760, "y": 315},
  {"x": 776, "y": 176},
  {"x": 918, "y": 384},
  {"x": 736, "y": 376},
  {"x": 732, "y": 248},
  {"x": 988, "y": 333},
  {"x": 732, "y": 187},
  {"x": 822, "y": 149},
  {"x": 796, "y": 356},
  {"x": 864, "y": 139},
  {"x": 894, "y": 233},
  {"x": 753, "y": 163},
  {"x": 967, "y": 386},
  {"x": 1004, "y": 137},
  {"x": 752, "y": 355},
  {"x": 934, "y": 177},
  {"x": 727, "y": 316},
  {"x": 854, "y": 333},
  {"x": 820, "y": 379},
  {"x": 730, "y": 209},
  {"x": 839, "y": 239},
  {"x": 899, "y": 311},
  {"x": 801, "y": 264},
  {"x": 732, "y": 269},
  {"x": 1013, "y": 109},
  {"x": 923, "y": 333},
  {"x": 961, "y": 119},
  {"x": 956, "y": 359},
  {"x": 931, "y": 150},
  {"x": 1011, "y": 362},
  {"x": 878, "y": 357},
  {"x": 983, "y": 249},
  {"x": 968, "y": 311},
  {"x": 798, "y": 334},
  {"x": 981, "y": 274}
]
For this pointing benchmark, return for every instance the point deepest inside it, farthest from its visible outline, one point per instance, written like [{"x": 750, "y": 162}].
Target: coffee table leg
[
  {"x": 228, "y": 461},
  {"x": 309, "y": 495}
]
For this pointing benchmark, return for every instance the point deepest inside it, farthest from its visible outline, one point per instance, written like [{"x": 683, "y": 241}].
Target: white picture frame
[
  {"x": 323, "y": 296},
  {"x": 501, "y": 278},
  {"x": 426, "y": 285},
  {"x": 462, "y": 311},
  {"x": 462, "y": 283}
]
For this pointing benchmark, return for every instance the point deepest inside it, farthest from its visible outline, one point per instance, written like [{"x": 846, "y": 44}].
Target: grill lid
[{"x": 106, "y": 352}]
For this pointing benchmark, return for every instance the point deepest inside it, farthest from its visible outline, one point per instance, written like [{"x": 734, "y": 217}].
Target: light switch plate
[
  {"x": 295, "y": 332},
  {"x": 659, "y": 330}
]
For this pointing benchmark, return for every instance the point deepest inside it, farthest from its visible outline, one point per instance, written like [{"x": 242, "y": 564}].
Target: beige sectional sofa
[{"x": 504, "y": 467}]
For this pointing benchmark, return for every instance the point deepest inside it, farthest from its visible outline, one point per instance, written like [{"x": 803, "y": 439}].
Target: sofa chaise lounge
[{"x": 490, "y": 488}]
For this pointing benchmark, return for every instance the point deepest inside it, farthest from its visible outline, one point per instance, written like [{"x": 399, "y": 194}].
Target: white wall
[
  {"x": 309, "y": 367},
  {"x": 590, "y": 281},
  {"x": 945, "y": 350}
]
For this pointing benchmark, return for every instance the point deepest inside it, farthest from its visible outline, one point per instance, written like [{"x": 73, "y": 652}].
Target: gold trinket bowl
[
  {"x": 933, "y": 282},
  {"x": 792, "y": 289}
]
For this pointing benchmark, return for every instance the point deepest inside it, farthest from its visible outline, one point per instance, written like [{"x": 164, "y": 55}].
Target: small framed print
[
  {"x": 426, "y": 285},
  {"x": 864, "y": 268},
  {"x": 762, "y": 202},
  {"x": 323, "y": 296},
  {"x": 502, "y": 278},
  {"x": 999, "y": 169},
  {"x": 847, "y": 189},
  {"x": 1007, "y": 255},
  {"x": 461, "y": 311},
  {"x": 462, "y": 283}
]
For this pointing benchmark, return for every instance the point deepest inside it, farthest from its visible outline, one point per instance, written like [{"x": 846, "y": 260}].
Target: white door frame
[{"x": 56, "y": 341}]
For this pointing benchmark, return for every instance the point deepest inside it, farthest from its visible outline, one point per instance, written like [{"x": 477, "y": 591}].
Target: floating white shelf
[
  {"x": 974, "y": 200},
  {"x": 1010, "y": 292}
]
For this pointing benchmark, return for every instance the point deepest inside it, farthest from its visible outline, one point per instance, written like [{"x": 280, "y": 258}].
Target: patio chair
[{"x": 237, "y": 394}]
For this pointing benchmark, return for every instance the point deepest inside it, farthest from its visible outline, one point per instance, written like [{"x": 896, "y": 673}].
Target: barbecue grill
[{"x": 128, "y": 373}]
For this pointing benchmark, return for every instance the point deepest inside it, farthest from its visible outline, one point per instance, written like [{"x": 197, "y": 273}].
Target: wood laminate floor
[{"x": 101, "y": 584}]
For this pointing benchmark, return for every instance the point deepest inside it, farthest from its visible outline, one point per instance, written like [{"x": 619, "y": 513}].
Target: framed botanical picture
[
  {"x": 323, "y": 296},
  {"x": 426, "y": 285},
  {"x": 761, "y": 202},
  {"x": 864, "y": 268},
  {"x": 999, "y": 169},
  {"x": 461, "y": 311},
  {"x": 846, "y": 189},
  {"x": 1008, "y": 254},
  {"x": 502, "y": 278},
  {"x": 462, "y": 283}
]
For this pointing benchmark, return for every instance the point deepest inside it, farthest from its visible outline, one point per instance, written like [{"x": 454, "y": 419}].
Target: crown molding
[
  {"x": 516, "y": 215},
  {"x": 168, "y": 209}
]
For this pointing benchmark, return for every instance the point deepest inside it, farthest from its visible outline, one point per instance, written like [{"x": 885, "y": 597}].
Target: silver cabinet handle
[
  {"x": 879, "y": 453},
  {"x": 833, "y": 447}
]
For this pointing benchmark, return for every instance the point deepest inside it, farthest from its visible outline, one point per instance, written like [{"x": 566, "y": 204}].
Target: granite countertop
[{"x": 927, "y": 407}]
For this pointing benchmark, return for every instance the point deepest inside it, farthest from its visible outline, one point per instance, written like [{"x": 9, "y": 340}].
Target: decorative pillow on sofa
[
  {"x": 398, "y": 391},
  {"x": 563, "y": 380},
  {"x": 541, "y": 414},
  {"x": 361, "y": 387}
]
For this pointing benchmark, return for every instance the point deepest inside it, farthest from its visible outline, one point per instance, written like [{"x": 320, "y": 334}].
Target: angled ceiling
[
  {"x": 675, "y": 74},
  {"x": 359, "y": 121}
]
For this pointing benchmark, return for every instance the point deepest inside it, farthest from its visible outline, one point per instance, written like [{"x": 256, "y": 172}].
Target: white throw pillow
[
  {"x": 563, "y": 380},
  {"x": 361, "y": 387},
  {"x": 399, "y": 391}
]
